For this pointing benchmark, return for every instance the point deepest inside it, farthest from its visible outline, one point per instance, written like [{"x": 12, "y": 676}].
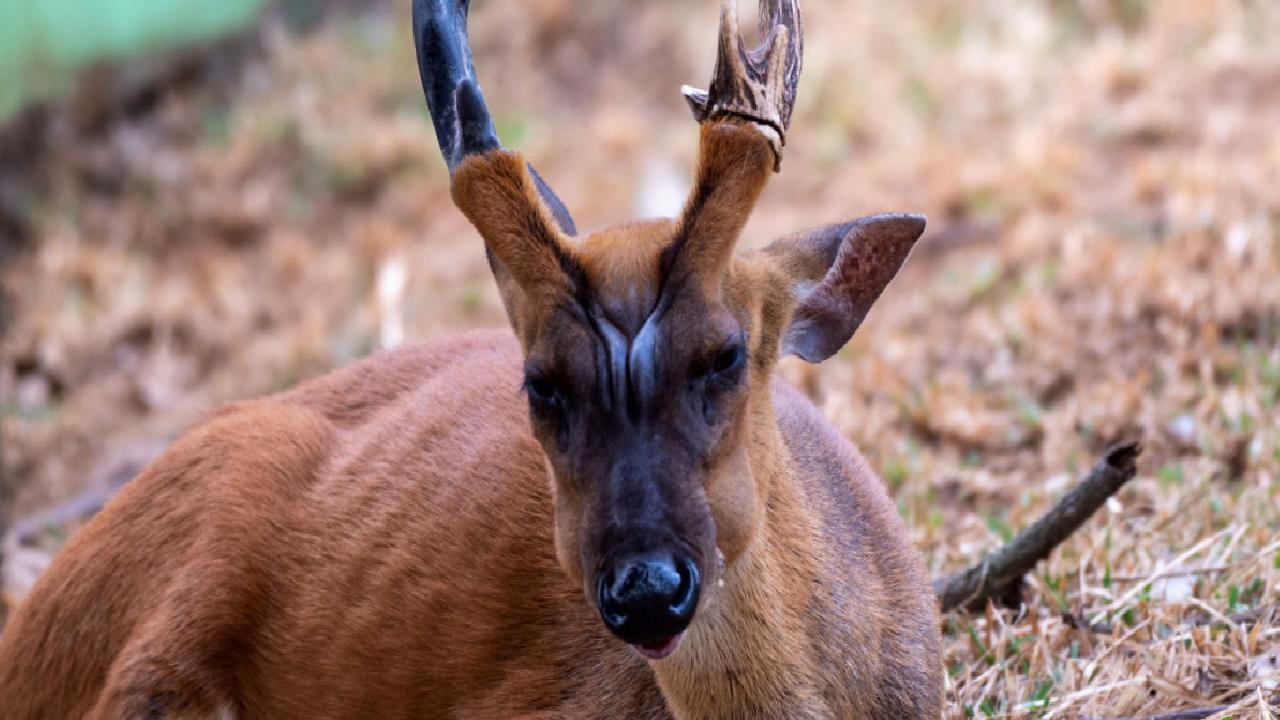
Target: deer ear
[
  {"x": 836, "y": 274},
  {"x": 531, "y": 257}
]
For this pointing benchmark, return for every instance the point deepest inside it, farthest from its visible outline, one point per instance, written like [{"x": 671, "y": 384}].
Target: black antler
[{"x": 462, "y": 122}]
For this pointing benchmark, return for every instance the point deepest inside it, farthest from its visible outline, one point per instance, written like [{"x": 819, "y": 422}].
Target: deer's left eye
[
  {"x": 724, "y": 371},
  {"x": 723, "y": 374},
  {"x": 729, "y": 359}
]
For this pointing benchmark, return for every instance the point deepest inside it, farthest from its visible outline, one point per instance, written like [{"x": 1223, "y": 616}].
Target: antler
[
  {"x": 462, "y": 122},
  {"x": 758, "y": 85}
]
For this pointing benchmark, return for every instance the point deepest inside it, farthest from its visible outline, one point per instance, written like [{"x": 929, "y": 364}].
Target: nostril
[
  {"x": 608, "y": 600},
  {"x": 682, "y": 591},
  {"x": 685, "y": 599}
]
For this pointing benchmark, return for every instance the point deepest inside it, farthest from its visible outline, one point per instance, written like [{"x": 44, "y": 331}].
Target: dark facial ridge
[{"x": 623, "y": 360}]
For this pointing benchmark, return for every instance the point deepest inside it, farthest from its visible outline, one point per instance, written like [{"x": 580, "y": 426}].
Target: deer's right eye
[
  {"x": 547, "y": 406},
  {"x": 542, "y": 392}
]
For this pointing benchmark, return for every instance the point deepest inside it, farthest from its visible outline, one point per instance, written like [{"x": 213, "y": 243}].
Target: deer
[{"x": 613, "y": 509}]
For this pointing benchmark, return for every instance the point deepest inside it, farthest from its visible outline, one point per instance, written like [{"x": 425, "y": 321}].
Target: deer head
[{"x": 649, "y": 346}]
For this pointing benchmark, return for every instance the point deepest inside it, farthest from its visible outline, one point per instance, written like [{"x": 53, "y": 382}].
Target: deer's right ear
[
  {"x": 532, "y": 259},
  {"x": 837, "y": 272}
]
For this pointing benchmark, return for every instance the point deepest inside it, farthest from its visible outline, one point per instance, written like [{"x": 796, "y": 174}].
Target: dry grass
[{"x": 1103, "y": 182}]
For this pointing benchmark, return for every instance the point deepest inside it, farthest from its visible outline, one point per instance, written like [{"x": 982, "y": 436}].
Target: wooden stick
[
  {"x": 1000, "y": 573},
  {"x": 1192, "y": 714},
  {"x": 1189, "y": 714}
]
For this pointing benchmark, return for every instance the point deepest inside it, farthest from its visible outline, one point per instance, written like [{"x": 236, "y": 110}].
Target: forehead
[
  {"x": 627, "y": 315},
  {"x": 623, "y": 266}
]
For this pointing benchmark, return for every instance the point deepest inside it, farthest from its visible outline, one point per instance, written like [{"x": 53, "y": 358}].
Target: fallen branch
[
  {"x": 1193, "y": 714},
  {"x": 999, "y": 575}
]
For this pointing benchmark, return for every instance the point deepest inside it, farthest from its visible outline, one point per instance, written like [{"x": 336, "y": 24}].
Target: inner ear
[{"x": 837, "y": 272}]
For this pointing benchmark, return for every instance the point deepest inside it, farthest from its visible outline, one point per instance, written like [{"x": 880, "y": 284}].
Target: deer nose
[{"x": 649, "y": 598}]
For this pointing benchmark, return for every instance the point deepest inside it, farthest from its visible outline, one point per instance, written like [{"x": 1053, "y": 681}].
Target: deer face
[
  {"x": 638, "y": 391},
  {"x": 649, "y": 346}
]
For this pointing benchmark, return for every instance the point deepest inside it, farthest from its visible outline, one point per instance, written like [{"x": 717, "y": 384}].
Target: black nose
[{"x": 648, "y": 598}]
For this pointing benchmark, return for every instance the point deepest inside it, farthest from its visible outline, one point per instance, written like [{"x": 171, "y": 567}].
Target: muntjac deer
[{"x": 655, "y": 528}]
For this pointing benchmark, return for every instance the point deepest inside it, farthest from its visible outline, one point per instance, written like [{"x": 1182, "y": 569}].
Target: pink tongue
[{"x": 661, "y": 649}]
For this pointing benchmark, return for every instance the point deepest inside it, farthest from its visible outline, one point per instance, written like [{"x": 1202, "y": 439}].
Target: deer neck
[{"x": 749, "y": 652}]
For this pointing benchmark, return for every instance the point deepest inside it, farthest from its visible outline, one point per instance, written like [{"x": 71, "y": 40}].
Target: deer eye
[
  {"x": 723, "y": 373},
  {"x": 729, "y": 359},
  {"x": 542, "y": 392}
]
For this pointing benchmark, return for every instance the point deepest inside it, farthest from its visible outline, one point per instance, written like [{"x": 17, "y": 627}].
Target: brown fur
[{"x": 400, "y": 540}]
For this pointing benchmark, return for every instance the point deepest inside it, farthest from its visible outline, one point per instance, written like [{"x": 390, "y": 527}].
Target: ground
[{"x": 1102, "y": 179}]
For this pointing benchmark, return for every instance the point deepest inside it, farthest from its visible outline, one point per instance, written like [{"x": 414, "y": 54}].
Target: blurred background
[{"x": 201, "y": 203}]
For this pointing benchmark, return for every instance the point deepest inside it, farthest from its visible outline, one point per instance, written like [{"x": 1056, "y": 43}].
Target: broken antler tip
[
  {"x": 756, "y": 85},
  {"x": 697, "y": 100}
]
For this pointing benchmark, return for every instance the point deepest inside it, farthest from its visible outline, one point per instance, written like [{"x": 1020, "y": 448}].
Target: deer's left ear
[{"x": 836, "y": 273}]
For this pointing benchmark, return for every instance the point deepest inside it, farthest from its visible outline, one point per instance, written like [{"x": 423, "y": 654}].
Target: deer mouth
[{"x": 660, "y": 648}]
